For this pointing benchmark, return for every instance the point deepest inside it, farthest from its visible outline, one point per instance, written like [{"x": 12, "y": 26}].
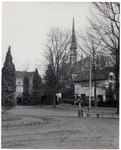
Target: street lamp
[{"x": 89, "y": 108}]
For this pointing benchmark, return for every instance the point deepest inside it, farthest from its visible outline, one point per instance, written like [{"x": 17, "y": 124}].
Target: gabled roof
[
  {"x": 81, "y": 65},
  {"x": 21, "y": 74},
  {"x": 101, "y": 74}
]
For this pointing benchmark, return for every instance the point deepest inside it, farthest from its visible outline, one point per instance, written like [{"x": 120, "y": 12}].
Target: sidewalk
[{"x": 63, "y": 110}]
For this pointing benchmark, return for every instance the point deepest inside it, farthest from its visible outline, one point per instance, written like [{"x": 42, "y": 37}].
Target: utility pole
[{"x": 89, "y": 109}]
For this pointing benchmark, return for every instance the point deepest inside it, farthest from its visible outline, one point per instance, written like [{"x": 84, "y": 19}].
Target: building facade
[
  {"x": 105, "y": 84},
  {"x": 19, "y": 82}
]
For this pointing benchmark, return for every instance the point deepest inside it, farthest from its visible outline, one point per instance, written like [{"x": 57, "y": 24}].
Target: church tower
[{"x": 73, "y": 53}]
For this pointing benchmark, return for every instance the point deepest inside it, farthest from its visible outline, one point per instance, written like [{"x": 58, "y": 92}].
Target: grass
[{"x": 60, "y": 128}]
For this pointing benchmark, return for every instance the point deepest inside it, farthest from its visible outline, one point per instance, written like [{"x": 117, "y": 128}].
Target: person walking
[{"x": 82, "y": 103}]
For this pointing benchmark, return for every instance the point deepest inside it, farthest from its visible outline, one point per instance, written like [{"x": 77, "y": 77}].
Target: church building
[{"x": 79, "y": 74}]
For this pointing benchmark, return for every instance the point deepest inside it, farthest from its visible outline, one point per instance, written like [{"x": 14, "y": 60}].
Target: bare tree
[
  {"x": 57, "y": 53},
  {"x": 106, "y": 25},
  {"x": 26, "y": 66},
  {"x": 90, "y": 47}
]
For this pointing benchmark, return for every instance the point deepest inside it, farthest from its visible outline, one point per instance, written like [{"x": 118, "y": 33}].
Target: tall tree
[
  {"x": 92, "y": 48},
  {"x": 106, "y": 25},
  {"x": 8, "y": 82},
  {"x": 57, "y": 54},
  {"x": 25, "y": 90},
  {"x": 37, "y": 83}
]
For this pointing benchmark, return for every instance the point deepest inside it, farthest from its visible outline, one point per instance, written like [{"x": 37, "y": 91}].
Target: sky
[{"x": 25, "y": 26}]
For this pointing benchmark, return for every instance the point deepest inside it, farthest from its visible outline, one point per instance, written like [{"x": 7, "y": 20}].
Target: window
[{"x": 111, "y": 77}]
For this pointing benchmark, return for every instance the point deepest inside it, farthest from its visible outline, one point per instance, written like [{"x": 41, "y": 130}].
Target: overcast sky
[{"x": 25, "y": 26}]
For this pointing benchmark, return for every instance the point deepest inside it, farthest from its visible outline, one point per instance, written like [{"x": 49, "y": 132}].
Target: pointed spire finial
[
  {"x": 9, "y": 48},
  {"x": 73, "y": 33},
  {"x": 73, "y": 47},
  {"x": 73, "y": 24}
]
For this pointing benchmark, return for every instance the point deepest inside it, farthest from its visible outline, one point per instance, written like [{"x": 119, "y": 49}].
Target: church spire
[
  {"x": 73, "y": 42},
  {"x": 73, "y": 47},
  {"x": 73, "y": 25}
]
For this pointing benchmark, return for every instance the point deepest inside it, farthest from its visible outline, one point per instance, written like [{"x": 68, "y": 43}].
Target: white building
[
  {"x": 104, "y": 77},
  {"x": 19, "y": 82}
]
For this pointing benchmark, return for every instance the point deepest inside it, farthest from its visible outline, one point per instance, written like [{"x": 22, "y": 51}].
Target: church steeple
[{"x": 73, "y": 53}]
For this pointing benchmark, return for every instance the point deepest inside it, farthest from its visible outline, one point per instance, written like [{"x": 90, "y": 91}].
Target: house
[
  {"x": 105, "y": 81},
  {"x": 19, "y": 82}
]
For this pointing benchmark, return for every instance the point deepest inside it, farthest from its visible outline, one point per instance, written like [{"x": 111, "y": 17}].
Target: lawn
[{"x": 59, "y": 128}]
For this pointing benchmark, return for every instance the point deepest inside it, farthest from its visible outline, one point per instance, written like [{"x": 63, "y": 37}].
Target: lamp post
[{"x": 89, "y": 108}]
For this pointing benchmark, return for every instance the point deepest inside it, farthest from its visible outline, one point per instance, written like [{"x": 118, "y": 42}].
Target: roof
[
  {"x": 21, "y": 74},
  {"x": 78, "y": 66},
  {"x": 101, "y": 74}
]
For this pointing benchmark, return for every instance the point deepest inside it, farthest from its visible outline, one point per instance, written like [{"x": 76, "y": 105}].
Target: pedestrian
[
  {"x": 82, "y": 103},
  {"x": 75, "y": 99}
]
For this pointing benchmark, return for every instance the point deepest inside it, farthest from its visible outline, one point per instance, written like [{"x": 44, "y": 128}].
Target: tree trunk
[
  {"x": 117, "y": 76},
  {"x": 95, "y": 96},
  {"x": 54, "y": 100},
  {"x": 95, "y": 85},
  {"x": 117, "y": 88}
]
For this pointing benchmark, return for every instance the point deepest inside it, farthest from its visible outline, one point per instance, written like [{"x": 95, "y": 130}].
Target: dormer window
[{"x": 111, "y": 78}]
